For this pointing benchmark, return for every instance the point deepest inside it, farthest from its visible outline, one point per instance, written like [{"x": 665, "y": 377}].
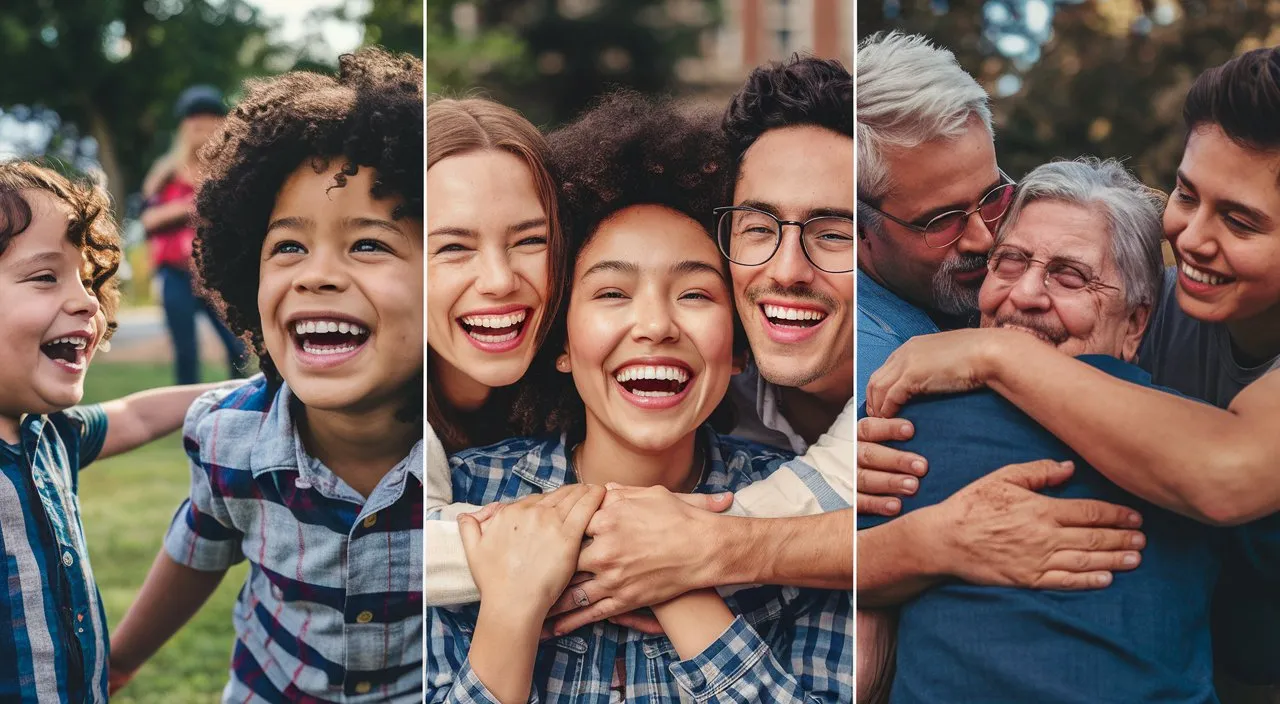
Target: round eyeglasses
[
  {"x": 1060, "y": 276},
  {"x": 751, "y": 237},
  {"x": 943, "y": 230}
]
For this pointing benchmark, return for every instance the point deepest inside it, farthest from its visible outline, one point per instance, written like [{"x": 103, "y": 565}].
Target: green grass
[{"x": 127, "y": 502}]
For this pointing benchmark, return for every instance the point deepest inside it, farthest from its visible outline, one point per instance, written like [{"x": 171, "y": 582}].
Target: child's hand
[
  {"x": 117, "y": 678},
  {"x": 529, "y": 549}
]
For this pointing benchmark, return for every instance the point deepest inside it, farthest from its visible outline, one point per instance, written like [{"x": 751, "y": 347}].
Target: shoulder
[
  {"x": 746, "y": 461},
  {"x": 479, "y": 469},
  {"x": 230, "y": 409}
]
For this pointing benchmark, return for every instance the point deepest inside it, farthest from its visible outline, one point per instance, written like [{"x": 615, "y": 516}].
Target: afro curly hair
[
  {"x": 626, "y": 150},
  {"x": 369, "y": 115}
]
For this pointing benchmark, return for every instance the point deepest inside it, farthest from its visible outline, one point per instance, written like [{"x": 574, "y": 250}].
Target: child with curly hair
[
  {"x": 640, "y": 358},
  {"x": 59, "y": 251},
  {"x": 311, "y": 237}
]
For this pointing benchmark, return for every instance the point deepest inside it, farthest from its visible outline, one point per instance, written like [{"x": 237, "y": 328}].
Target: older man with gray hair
[{"x": 1077, "y": 265}]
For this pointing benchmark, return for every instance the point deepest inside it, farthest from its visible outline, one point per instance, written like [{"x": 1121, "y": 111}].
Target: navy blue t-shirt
[{"x": 1145, "y": 638}]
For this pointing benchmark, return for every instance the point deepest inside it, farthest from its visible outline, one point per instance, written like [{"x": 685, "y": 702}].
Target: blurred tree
[
  {"x": 1109, "y": 79},
  {"x": 111, "y": 69},
  {"x": 549, "y": 58},
  {"x": 396, "y": 25}
]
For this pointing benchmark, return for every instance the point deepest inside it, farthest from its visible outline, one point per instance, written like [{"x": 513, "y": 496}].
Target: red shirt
[{"x": 171, "y": 246}]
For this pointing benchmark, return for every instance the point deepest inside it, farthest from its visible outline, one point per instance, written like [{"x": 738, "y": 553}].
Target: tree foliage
[{"x": 1109, "y": 82}]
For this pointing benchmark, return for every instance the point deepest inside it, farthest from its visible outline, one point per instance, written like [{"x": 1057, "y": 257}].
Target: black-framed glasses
[
  {"x": 943, "y": 230},
  {"x": 751, "y": 237},
  {"x": 1060, "y": 276}
]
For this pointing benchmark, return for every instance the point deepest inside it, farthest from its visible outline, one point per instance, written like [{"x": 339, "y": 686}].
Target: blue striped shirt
[
  {"x": 332, "y": 607},
  {"x": 55, "y": 649},
  {"x": 785, "y": 644}
]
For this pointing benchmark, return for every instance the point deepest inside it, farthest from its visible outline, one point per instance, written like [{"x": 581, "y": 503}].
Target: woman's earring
[{"x": 562, "y": 363}]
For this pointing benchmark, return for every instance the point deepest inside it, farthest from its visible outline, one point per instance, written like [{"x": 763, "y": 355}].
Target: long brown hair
[{"x": 456, "y": 127}]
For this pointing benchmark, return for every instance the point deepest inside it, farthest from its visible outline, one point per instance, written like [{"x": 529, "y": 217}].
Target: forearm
[
  {"x": 165, "y": 215},
  {"x": 503, "y": 649},
  {"x": 170, "y": 596},
  {"x": 693, "y": 621},
  {"x": 808, "y": 551},
  {"x": 896, "y": 562},
  {"x": 1192, "y": 458},
  {"x": 448, "y": 577},
  {"x": 139, "y": 418}
]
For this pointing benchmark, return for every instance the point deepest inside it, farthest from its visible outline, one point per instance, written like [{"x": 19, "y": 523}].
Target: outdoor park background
[
  {"x": 91, "y": 84},
  {"x": 1075, "y": 77}
]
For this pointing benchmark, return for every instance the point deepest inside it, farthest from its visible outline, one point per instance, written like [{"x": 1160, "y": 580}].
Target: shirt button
[
  {"x": 67, "y": 559},
  {"x": 364, "y": 617},
  {"x": 302, "y": 483},
  {"x": 370, "y": 520},
  {"x": 277, "y": 592},
  {"x": 363, "y": 687}
]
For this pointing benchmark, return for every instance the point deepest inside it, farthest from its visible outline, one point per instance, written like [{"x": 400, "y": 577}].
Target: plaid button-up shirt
[
  {"x": 785, "y": 645},
  {"x": 55, "y": 648},
  {"x": 332, "y": 607}
]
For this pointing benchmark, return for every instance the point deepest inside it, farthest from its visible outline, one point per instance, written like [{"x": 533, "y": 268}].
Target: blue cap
[{"x": 199, "y": 100}]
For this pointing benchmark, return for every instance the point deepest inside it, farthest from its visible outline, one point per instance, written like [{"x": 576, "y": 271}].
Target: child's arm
[
  {"x": 721, "y": 654},
  {"x": 448, "y": 579},
  {"x": 137, "y": 419},
  {"x": 170, "y": 596}
]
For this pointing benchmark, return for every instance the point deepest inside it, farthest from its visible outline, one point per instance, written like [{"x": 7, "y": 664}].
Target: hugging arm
[
  {"x": 724, "y": 657},
  {"x": 139, "y": 418},
  {"x": 448, "y": 580},
  {"x": 1216, "y": 466}
]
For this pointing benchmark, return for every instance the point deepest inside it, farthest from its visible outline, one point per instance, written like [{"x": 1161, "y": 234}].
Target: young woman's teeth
[
  {"x": 498, "y": 328},
  {"x": 798, "y": 314},
  {"x": 628, "y": 375},
  {"x": 1203, "y": 277}
]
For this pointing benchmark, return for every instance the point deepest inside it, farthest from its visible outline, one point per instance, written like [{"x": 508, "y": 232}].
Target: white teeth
[
  {"x": 326, "y": 326},
  {"x": 634, "y": 372},
  {"x": 494, "y": 339},
  {"x": 786, "y": 313},
  {"x": 327, "y": 349},
  {"x": 653, "y": 394},
  {"x": 78, "y": 343},
  {"x": 1203, "y": 277},
  {"x": 495, "y": 321}
]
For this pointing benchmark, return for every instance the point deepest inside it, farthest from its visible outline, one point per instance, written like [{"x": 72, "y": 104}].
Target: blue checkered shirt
[
  {"x": 55, "y": 649},
  {"x": 785, "y": 644},
  {"x": 331, "y": 610}
]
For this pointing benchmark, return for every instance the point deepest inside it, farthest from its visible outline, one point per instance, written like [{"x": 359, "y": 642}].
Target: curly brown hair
[
  {"x": 626, "y": 150},
  {"x": 92, "y": 229},
  {"x": 369, "y": 115}
]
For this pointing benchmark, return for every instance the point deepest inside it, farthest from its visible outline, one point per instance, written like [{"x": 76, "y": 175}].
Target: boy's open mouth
[
  {"x": 496, "y": 332},
  {"x": 788, "y": 317},
  {"x": 329, "y": 337},
  {"x": 70, "y": 351},
  {"x": 653, "y": 380}
]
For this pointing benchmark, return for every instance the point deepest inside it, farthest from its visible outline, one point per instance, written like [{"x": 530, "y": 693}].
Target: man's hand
[
  {"x": 999, "y": 531},
  {"x": 883, "y": 472},
  {"x": 640, "y": 554}
]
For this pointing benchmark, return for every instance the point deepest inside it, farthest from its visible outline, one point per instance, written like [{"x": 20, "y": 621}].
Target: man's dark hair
[
  {"x": 1242, "y": 97},
  {"x": 802, "y": 90},
  {"x": 626, "y": 150},
  {"x": 369, "y": 116}
]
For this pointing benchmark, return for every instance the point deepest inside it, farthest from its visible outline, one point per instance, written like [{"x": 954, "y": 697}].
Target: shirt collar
[{"x": 546, "y": 465}]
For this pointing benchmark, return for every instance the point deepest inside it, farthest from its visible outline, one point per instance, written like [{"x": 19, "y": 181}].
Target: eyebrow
[
  {"x": 1252, "y": 213},
  {"x": 683, "y": 268},
  {"x": 925, "y": 217},
  {"x": 376, "y": 223},
  {"x": 39, "y": 259},
  {"x": 813, "y": 212},
  {"x": 522, "y": 226},
  {"x": 1055, "y": 259}
]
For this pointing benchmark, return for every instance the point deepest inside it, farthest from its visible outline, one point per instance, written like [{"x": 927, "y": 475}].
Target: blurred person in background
[{"x": 170, "y": 191}]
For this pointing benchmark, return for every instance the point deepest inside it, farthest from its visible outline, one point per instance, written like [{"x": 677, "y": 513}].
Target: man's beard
[
  {"x": 950, "y": 297},
  {"x": 1052, "y": 333}
]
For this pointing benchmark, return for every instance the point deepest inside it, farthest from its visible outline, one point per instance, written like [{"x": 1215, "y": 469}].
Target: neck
[
  {"x": 1256, "y": 340},
  {"x": 812, "y": 409},
  {"x": 603, "y": 457},
  {"x": 458, "y": 390},
  {"x": 359, "y": 446}
]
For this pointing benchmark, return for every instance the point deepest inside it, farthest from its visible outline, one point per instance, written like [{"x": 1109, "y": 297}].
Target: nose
[
  {"x": 1198, "y": 237},
  {"x": 495, "y": 277},
  {"x": 977, "y": 237},
  {"x": 1029, "y": 293},
  {"x": 789, "y": 265},
  {"x": 654, "y": 322},
  {"x": 321, "y": 273},
  {"x": 82, "y": 303}
]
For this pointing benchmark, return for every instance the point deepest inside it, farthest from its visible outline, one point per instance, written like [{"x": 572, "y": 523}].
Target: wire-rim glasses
[
  {"x": 1060, "y": 276},
  {"x": 750, "y": 237},
  {"x": 945, "y": 229}
]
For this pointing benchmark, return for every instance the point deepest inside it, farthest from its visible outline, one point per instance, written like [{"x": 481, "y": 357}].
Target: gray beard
[{"x": 948, "y": 296}]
